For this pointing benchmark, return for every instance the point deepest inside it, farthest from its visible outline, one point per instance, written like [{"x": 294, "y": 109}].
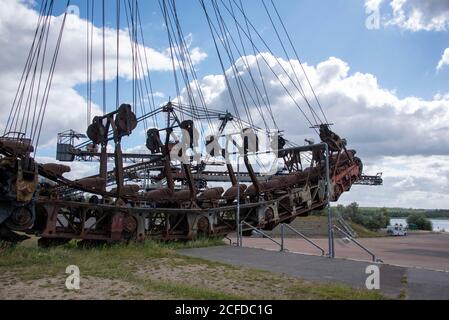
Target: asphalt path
[{"x": 416, "y": 283}]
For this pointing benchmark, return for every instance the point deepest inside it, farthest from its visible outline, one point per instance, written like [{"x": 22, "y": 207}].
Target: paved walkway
[
  {"x": 418, "y": 283},
  {"x": 428, "y": 251}
]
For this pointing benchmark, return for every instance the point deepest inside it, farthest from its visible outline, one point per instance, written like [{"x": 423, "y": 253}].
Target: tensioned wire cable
[
  {"x": 312, "y": 111},
  {"x": 50, "y": 79},
  {"x": 137, "y": 69},
  {"x": 189, "y": 61},
  {"x": 231, "y": 95},
  {"x": 180, "y": 51},
  {"x": 299, "y": 60},
  {"x": 267, "y": 97},
  {"x": 29, "y": 101},
  {"x": 259, "y": 95},
  {"x": 137, "y": 61},
  {"x": 223, "y": 38},
  {"x": 243, "y": 58},
  {"x": 16, "y": 109},
  {"x": 277, "y": 60}
]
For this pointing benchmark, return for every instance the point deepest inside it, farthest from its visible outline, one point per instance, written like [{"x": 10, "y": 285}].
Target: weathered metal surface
[
  {"x": 20, "y": 147},
  {"x": 128, "y": 190},
  {"x": 56, "y": 169},
  {"x": 211, "y": 194},
  {"x": 232, "y": 193},
  {"x": 91, "y": 183}
]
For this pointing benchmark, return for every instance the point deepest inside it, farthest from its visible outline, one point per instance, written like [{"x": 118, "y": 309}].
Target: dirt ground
[
  {"x": 236, "y": 281},
  {"x": 427, "y": 250},
  {"x": 53, "y": 288}
]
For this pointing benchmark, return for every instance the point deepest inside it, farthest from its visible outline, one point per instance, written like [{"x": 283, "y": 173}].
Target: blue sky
[{"x": 402, "y": 60}]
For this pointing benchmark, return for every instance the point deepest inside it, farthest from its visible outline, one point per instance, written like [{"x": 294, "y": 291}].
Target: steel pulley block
[
  {"x": 125, "y": 120},
  {"x": 154, "y": 143},
  {"x": 97, "y": 131},
  {"x": 189, "y": 127}
]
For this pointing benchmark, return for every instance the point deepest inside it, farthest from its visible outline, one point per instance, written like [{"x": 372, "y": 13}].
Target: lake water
[{"x": 438, "y": 225}]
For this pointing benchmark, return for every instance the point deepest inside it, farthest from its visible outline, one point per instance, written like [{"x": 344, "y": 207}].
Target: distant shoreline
[{"x": 397, "y": 213}]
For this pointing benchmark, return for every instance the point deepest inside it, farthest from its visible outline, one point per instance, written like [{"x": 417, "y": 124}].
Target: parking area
[{"x": 427, "y": 250}]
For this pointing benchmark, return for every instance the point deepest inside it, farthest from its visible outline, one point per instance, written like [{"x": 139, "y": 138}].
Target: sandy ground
[
  {"x": 53, "y": 288},
  {"x": 429, "y": 251},
  {"x": 238, "y": 282}
]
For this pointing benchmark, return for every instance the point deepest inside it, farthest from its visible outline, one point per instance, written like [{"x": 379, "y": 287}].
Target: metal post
[
  {"x": 237, "y": 218},
  {"x": 284, "y": 225},
  {"x": 329, "y": 212},
  {"x": 282, "y": 237},
  {"x": 261, "y": 232},
  {"x": 358, "y": 244}
]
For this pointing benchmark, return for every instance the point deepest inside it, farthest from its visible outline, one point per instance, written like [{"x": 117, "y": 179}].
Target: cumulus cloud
[
  {"x": 374, "y": 119},
  {"x": 373, "y": 5},
  {"x": 444, "y": 61},
  {"x": 409, "y": 182},
  {"x": 415, "y": 15}
]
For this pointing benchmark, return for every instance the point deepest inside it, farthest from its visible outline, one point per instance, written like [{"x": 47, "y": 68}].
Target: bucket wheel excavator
[{"x": 186, "y": 185}]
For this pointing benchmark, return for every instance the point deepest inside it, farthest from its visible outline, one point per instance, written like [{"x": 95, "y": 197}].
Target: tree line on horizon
[
  {"x": 404, "y": 213},
  {"x": 376, "y": 219}
]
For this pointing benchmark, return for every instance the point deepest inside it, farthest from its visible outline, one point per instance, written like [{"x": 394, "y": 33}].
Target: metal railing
[
  {"x": 229, "y": 240},
  {"x": 283, "y": 225},
  {"x": 282, "y": 243},
  {"x": 260, "y": 232},
  {"x": 373, "y": 256}
]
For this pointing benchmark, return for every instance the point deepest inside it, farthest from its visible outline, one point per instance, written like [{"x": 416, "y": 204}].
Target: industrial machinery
[{"x": 188, "y": 184}]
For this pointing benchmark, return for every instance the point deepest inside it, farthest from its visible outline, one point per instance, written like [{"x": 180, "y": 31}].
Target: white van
[{"x": 398, "y": 230}]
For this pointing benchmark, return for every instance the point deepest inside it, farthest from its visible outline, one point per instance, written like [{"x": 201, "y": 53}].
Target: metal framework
[
  {"x": 119, "y": 211},
  {"x": 155, "y": 195}
]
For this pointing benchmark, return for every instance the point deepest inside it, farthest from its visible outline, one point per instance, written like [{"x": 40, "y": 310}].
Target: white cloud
[
  {"x": 372, "y": 5},
  {"x": 444, "y": 60},
  {"x": 158, "y": 94},
  {"x": 415, "y": 15},
  {"x": 375, "y": 120},
  {"x": 409, "y": 182}
]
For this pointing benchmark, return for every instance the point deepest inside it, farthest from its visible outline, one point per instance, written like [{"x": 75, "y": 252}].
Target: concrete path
[
  {"x": 427, "y": 251},
  {"x": 417, "y": 283}
]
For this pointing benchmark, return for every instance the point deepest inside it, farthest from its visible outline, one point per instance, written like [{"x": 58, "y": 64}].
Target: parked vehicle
[{"x": 398, "y": 230}]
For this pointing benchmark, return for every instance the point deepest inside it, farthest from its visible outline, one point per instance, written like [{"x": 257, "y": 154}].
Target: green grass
[
  {"x": 140, "y": 266},
  {"x": 317, "y": 227},
  {"x": 333, "y": 292},
  {"x": 363, "y": 232}
]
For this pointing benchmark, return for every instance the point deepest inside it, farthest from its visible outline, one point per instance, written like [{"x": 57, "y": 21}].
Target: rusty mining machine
[{"x": 151, "y": 195}]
